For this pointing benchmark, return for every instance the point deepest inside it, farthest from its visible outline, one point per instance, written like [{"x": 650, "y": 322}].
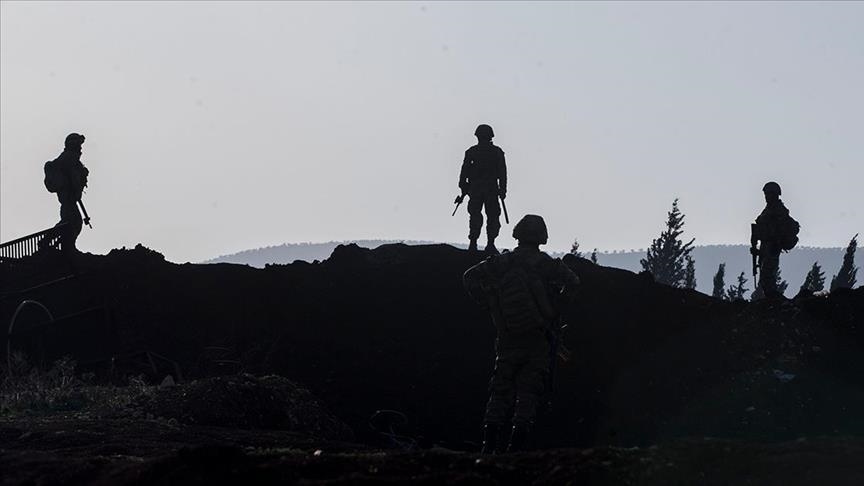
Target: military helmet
[
  {"x": 771, "y": 188},
  {"x": 484, "y": 131},
  {"x": 74, "y": 140},
  {"x": 531, "y": 229}
]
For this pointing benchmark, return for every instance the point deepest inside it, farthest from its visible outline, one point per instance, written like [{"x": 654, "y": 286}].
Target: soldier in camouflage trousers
[{"x": 523, "y": 291}]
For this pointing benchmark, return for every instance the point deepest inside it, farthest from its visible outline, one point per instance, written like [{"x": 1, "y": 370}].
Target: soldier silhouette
[
  {"x": 483, "y": 179},
  {"x": 67, "y": 177},
  {"x": 777, "y": 232},
  {"x": 523, "y": 290}
]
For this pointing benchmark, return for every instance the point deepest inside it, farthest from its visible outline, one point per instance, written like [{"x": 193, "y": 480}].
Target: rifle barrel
[{"x": 86, "y": 216}]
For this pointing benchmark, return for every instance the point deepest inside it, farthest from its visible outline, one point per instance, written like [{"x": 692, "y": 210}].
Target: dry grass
[{"x": 31, "y": 390}]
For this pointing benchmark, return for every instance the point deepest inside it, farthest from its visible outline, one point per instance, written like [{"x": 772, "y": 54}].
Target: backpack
[
  {"x": 521, "y": 295},
  {"x": 54, "y": 179},
  {"x": 787, "y": 233}
]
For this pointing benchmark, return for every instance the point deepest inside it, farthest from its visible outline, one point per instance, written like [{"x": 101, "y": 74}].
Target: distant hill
[
  {"x": 308, "y": 252},
  {"x": 793, "y": 265}
]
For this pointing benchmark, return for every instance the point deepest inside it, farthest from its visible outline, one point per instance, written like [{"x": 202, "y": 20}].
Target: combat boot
[
  {"x": 519, "y": 437},
  {"x": 472, "y": 245},
  {"x": 491, "y": 438},
  {"x": 490, "y": 247}
]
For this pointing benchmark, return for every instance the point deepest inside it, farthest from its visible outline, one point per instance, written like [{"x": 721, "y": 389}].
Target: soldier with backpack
[
  {"x": 777, "y": 232},
  {"x": 524, "y": 291},
  {"x": 67, "y": 177},
  {"x": 483, "y": 179}
]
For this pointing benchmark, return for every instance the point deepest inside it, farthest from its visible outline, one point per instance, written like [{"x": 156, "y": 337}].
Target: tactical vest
[
  {"x": 485, "y": 161},
  {"x": 521, "y": 294}
]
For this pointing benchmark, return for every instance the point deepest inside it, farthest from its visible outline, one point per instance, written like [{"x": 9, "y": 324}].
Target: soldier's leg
[
  {"x": 531, "y": 383},
  {"x": 70, "y": 217},
  {"x": 499, "y": 408},
  {"x": 769, "y": 265},
  {"x": 475, "y": 216},
  {"x": 502, "y": 389},
  {"x": 493, "y": 219},
  {"x": 530, "y": 388}
]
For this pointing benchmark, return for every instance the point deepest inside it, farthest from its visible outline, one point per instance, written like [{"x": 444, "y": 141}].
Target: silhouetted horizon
[{"x": 794, "y": 267}]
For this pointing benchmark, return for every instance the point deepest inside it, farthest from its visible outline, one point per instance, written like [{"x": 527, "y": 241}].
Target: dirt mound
[
  {"x": 392, "y": 328},
  {"x": 245, "y": 402}
]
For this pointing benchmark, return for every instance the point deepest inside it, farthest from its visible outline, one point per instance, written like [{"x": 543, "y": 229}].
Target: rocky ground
[{"x": 666, "y": 386}]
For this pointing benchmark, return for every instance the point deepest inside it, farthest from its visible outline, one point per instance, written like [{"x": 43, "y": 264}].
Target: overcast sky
[{"x": 216, "y": 127}]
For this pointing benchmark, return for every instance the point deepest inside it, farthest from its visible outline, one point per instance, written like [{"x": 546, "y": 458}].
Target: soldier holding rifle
[
  {"x": 483, "y": 179},
  {"x": 67, "y": 177}
]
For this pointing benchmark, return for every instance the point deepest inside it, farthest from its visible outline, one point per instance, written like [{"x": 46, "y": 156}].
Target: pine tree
[
  {"x": 574, "y": 249},
  {"x": 594, "y": 256},
  {"x": 665, "y": 259},
  {"x": 690, "y": 274},
  {"x": 736, "y": 292},
  {"x": 846, "y": 277},
  {"x": 815, "y": 279},
  {"x": 719, "y": 282}
]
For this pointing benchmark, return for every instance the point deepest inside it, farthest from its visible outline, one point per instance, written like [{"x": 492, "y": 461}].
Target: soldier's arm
[
  {"x": 556, "y": 271},
  {"x": 463, "y": 174},
  {"x": 85, "y": 173},
  {"x": 570, "y": 279},
  {"x": 474, "y": 281},
  {"x": 502, "y": 175}
]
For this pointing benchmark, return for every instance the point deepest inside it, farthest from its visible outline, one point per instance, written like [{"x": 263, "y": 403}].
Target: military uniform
[
  {"x": 768, "y": 227},
  {"x": 74, "y": 179},
  {"x": 483, "y": 178},
  {"x": 524, "y": 344},
  {"x": 773, "y": 230}
]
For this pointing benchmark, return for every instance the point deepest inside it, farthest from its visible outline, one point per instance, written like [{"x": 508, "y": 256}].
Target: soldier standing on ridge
[
  {"x": 67, "y": 177},
  {"x": 523, "y": 290},
  {"x": 484, "y": 179},
  {"x": 777, "y": 232}
]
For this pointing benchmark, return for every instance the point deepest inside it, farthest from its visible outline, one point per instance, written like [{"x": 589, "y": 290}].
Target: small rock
[{"x": 783, "y": 377}]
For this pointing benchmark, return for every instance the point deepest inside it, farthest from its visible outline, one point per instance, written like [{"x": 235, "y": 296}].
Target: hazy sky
[{"x": 216, "y": 127}]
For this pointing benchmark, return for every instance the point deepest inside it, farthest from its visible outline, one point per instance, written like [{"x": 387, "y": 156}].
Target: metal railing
[{"x": 30, "y": 244}]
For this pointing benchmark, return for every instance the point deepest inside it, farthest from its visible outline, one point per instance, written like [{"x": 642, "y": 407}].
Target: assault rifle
[{"x": 457, "y": 202}]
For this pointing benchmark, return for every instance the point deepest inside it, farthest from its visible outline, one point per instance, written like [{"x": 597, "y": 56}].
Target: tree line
[{"x": 669, "y": 261}]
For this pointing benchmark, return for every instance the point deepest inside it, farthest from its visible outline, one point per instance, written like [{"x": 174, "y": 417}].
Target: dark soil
[{"x": 129, "y": 452}]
